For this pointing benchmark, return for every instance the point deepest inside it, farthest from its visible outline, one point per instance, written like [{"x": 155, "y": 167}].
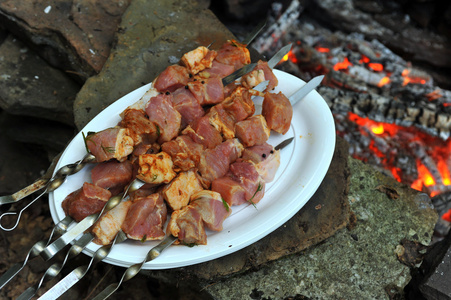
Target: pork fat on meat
[
  {"x": 110, "y": 143},
  {"x": 206, "y": 209},
  {"x": 109, "y": 224},
  {"x": 146, "y": 217}
]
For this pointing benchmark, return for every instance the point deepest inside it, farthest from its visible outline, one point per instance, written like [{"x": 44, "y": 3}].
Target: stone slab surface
[
  {"x": 152, "y": 35},
  {"x": 356, "y": 263}
]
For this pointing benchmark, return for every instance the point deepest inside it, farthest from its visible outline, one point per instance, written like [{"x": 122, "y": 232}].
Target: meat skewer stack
[{"x": 196, "y": 144}]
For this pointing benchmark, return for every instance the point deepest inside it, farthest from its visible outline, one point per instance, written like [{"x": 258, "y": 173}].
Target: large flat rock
[{"x": 152, "y": 35}]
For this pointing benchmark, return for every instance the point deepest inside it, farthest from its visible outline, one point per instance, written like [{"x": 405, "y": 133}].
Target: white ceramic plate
[{"x": 304, "y": 164}]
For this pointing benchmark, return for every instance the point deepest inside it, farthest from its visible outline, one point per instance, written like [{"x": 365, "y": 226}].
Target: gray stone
[
  {"x": 73, "y": 35},
  {"x": 152, "y": 35},
  {"x": 356, "y": 263},
  {"x": 30, "y": 87}
]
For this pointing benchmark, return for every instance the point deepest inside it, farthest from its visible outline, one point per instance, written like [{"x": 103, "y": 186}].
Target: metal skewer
[
  {"x": 55, "y": 182},
  {"x": 133, "y": 270},
  {"x": 35, "y": 250}
]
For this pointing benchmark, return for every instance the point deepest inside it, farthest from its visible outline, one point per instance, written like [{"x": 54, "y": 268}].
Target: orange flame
[
  {"x": 342, "y": 65},
  {"x": 290, "y": 56},
  {"x": 376, "y": 67}
]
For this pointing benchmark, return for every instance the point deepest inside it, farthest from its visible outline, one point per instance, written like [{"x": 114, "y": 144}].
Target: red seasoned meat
[
  {"x": 198, "y": 59},
  {"x": 239, "y": 104},
  {"x": 207, "y": 91},
  {"x": 110, "y": 143},
  {"x": 252, "y": 131},
  {"x": 217, "y": 70},
  {"x": 145, "y": 218},
  {"x": 242, "y": 184},
  {"x": 222, "y": 121},
  {"x": 204, "y": 133},
  {"x": 212, "y": 209},
  {"x": 185, "y": 153},
  {"x": 265, "y": 158},
  {"x": 85, "y": 201},
  {"x": 261, "y": 72},
  {"x": 142, "y": 130},
  {"x": 112, "y": 175},
  {"x": 277, "y": 111},
  {"x": 168, "y": 120},
  {"x": 172, "y": 78},
  {"x": 234, "y": 54},
  {"x": 215, "y": 163},
  {"x": 187, "y": 105},
  {"x": 109, "y": 224}
]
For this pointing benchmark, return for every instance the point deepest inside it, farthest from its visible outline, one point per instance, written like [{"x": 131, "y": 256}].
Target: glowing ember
[
  {"x": 290, "y": 56},
  {"x": 384, "y": 81},
  {"x": 376, "y": 67},
  {"x": 447, "y": 216},
  {"x": 406, "y": 73},
  {"x": 378, "y": 129},
  {"x": 322, "y": 49},
  {"x": 342, "y": 65}
]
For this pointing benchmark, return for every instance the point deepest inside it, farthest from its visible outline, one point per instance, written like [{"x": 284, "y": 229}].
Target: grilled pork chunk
[
  {"x": 252, "y": 131},
  {"x": 172, "y": 78},
  {"x": 163, "y": 114}
]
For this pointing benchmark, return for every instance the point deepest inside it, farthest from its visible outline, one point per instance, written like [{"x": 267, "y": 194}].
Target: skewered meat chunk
[
  {"x": 242, "y": 184},
  {"x": 222, "y": 121},
  {"x": 112, "y": 175},
  {"x": 172, "y": 78},
  {"x": 167, "y": 119},
  {"x": 234, "y": 54},
  {"x": 206, "y": 210},
  {"x": 110, "y": 143},
  {"x": 265, "y": 158},
  {"x": 215, "y": 162},
  {"x": 87, "y": 200},
  {"x": 145, "y": 218},
  {"x": 203, "y": 133},
  {"x": 185, "y": 153},
  {"x": 212, "y": 208},
  {"x": 109, "y": 224},
  {"x": 142, "y": 102},
  {"x": 155, "y": 168},
  {"x": 239, "y": 104},
  {"x": 187, "y": 105},
  {"x": 207, "y": 91},
  {"x": 198, "y": 59},
  {"x": 217, "y": 70},
  {"x": 188, "y": 226},
  {"x": 278, "y": 112},
  {"x": 142, "y": 130},
  {"x": 179, "y": 191},
  {"x": 261, "y": 72},
  {"x": 252, "y": 131}
]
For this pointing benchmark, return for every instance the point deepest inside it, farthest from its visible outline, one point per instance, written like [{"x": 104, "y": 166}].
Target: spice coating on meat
[
  {"x": 110, "y": 143},
  {"x": 155, "y": 168},
  {"x": 109, "y": 224},
  {"x": 142, "y": 130},
  {"x": 179, "y": 191},
  {"x": 185, "y": 153},
  {"x": 198, "y": 59}
]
